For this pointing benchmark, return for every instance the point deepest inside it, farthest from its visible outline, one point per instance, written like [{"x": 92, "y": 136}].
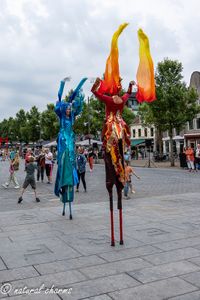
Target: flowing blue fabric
[{"x": 66, "y": 176}]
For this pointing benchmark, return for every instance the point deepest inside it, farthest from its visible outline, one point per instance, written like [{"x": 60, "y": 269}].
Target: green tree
[
  {"x": 21, "y": 123},
  {"x": 128, "y": 116},
  {"x": 49, "y": 123},
  {"x": 175, "y": 105},
  {"x": 4, "y": 128},
  {"x": 91, "y": 119},
  {"x": 33, "y": 124}
]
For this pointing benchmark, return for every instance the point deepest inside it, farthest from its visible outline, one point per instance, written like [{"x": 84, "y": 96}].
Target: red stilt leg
[
  {"x": 112, "y": 228},
  {"x": 121, "y": 227}
]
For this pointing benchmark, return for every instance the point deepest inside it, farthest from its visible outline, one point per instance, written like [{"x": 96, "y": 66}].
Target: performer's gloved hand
[
  {"x": 130, "y": 86},
  {"x": 96, "y": 85},
  {"x": 66, "y": 79}
]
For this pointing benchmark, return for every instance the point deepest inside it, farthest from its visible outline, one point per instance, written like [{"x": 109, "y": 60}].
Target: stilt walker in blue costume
[{"x": 67, "y": 176}]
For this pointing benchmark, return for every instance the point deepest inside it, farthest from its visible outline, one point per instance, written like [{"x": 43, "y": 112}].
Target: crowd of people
[
  {"x": 190, "y": 158},
  {"x": 41, "y": 161}
]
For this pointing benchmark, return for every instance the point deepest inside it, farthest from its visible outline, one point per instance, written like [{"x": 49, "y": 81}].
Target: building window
[
  {"x": 198, "y": 123},
  {"x": 145, "y": 132},
  {"x": 133, "y": 132},
  {"x": 139, "y": 132},
  {"x": 152, "y": 132},
  {"x": 191, "y": 126}
]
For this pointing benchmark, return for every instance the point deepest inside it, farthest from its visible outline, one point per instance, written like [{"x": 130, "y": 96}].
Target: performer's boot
[
  {"x": 70, "y": 210},
  {"x": 63, "y": 213}
]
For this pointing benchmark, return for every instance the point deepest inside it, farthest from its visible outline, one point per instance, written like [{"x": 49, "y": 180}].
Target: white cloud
[{"x": 43, "y": 41}]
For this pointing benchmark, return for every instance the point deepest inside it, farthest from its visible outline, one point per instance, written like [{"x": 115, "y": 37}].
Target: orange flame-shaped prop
[
  {"x": 145, "y": 72},
  {"x": 111, "y": 83}
]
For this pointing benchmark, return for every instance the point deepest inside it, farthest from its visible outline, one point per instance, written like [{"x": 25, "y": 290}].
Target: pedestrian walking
[
  {"x": 29, "y": 179},
  {"x": 81, "y": 168},
  {"x": 190, "y": 158},
  {"x": 91, "y": 156},
  {"x": 13, "y": 168},
  {"x": 129, "y": 171}
]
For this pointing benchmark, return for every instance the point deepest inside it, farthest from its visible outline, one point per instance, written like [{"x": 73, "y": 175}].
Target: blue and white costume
[{"x": 66, "y": 176}]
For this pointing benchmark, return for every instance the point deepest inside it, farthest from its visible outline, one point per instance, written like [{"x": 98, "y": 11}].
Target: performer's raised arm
[
  {"x": 60, "y": 92},
  {"x": 129, "y": 91},
  {"x": 96, "y": 91},
  {"x": 77, "y": 98},
  {"x": 77, "y": 104}
]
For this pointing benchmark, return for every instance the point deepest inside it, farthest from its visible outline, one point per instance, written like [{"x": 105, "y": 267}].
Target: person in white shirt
[{"x": 48, "y": 164}]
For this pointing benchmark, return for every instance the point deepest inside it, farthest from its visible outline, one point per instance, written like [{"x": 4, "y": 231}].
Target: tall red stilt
[
  {"x": 112, "y": 228},
  {"x": 121, "y": 227}
]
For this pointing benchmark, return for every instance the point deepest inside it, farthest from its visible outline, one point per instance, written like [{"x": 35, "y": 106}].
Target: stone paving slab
[
  {"x": 195, "y": 260},
  {"x": 2, "y": 265},
  {"x": 193, "y": 278},
  {"x": 62, "y": 279},
  {"x": 96, "y": 242},
  {"x": 179, "y": 243},
  {"x": 172, "y": 256},
  {"x": 188, "y": 296},
  {"x": 164, "y": 271},
  {"x": 158, "y": 290},
  {"x": 36, "y": 251},
  {"x": 16, "y": 274},
  {"x": 115, "y": 268},
  {"x": 70, "y": 264},
  {"x": 98, "y": 286},
  {"x": 128, "y": 253}
]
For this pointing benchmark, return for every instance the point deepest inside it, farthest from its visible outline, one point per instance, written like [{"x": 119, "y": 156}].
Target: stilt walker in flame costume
[
  {"x": 116, "y": 134},
  {"x": 67, "y": 176}
]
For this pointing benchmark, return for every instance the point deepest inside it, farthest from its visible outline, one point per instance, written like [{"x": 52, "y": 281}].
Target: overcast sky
[{"x": 43, "y": 41}]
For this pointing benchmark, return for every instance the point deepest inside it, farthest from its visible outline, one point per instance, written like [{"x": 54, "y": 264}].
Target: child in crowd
[
  {"x": 129, "y": 171},
  {"x": 14, "y": 166},
  {"x": 30, "y": 179}
]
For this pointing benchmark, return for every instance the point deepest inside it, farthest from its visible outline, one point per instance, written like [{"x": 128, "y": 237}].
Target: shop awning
[
  {"x": 137, "y": 142},
  {"x": 192, "y": 135}
]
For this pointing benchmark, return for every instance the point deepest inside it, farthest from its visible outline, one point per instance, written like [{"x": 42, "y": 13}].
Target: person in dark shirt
[
  {"x": 40, "y": 165},
  {"x": 81, "y": 168},
  {"x": 29, "y": 179}
]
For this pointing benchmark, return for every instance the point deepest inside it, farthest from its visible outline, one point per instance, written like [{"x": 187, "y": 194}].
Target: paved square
[{"x": 41, "y": 249}]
